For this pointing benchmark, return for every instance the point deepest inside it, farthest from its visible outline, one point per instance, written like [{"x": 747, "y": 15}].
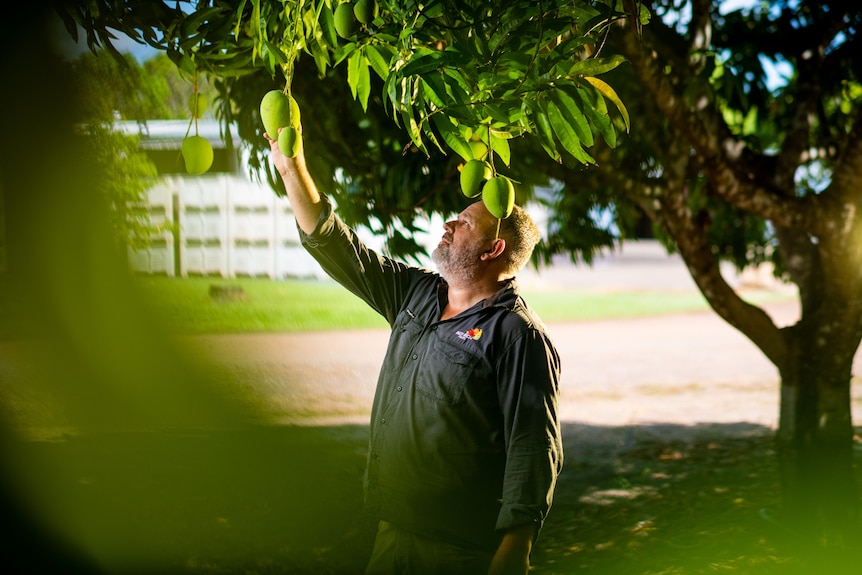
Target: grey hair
[{"x": 521, "y": 235}]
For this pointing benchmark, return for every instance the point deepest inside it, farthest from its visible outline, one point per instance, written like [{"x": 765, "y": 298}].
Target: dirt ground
[{"x": 684, "y": 369}]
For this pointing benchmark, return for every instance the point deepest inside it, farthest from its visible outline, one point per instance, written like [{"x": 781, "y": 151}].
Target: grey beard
[{"x": 455, "y": 268}]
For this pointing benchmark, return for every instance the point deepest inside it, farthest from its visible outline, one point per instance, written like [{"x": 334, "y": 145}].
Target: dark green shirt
[{"x": 464, "y": 438}]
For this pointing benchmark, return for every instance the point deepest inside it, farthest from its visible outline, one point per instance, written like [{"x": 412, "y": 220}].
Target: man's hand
[
  {"x": 282, "y": 163},
  {"x": 301, "y": 191},
  {"x": 513, "y": 554}
]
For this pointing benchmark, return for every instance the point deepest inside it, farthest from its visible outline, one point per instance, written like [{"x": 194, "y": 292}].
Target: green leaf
[
  {"x": 413, "y": 129},
  {"x": 595, "y": 66},
  {"x": 452, "y": 136},
  {"x": 275, "y": 51},
  {"x": 504, "y": 134},
  {"x": 644, "y": 15},
  {"x": 378, "y": 60},
  {"x": 597, "y": 112},
  {"x": 573, "y": 114},
  {"x": 501, "y": 148},
  {"x": 320, "y": 52},
  {"x": 321, "y": 60},
  {"x": 390, "y": 90},
  {"x": 255, "y": 18},
  {"x": 359, "y": 78},
  {"x": 343, "y": 52},
  {"x": 353, "y": 64},
  {"x": 435, "y": 88},
  {"x": 327, "y": 25},
  {"x": 193, "y": 21},
  {"x": 496, "y": 113},
  {"x": 567, "y": 136},
  {"x": 182, "y": 61},
  {"x": 430, "y": 94},
  {"x": 433, "y": 60},
  {"x": 363, "y": 86},
  {"x": 239, "y": 9},
  {"x": 545, "y": 132},
  {"x": 481, "y": 45},
  {"x": 221, "y": 63},
  {"x": 268, "y": 60},
  {"x": 609, "y": 93},
  {"x": 455, "y": 79},
  {"x": 459, "y": 95},
  {"x": 222, "y": 56},
  {"x": 429, "y": 133}
]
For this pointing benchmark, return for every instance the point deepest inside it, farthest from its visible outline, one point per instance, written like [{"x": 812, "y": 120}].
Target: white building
[{"x": 220, "y": 223}]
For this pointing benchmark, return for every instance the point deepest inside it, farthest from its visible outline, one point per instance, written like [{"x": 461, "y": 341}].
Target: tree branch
[
  {"x": 704, "y": 268},
  {"x": 796, "y": 143},
  {"x": 729, "y": 162},
  {"x": 700, "y": 28},
  {"x": 665, "y": 200}
]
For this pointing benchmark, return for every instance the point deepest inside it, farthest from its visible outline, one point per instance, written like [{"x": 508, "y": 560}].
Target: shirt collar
[{"x": 505, "y": 297}]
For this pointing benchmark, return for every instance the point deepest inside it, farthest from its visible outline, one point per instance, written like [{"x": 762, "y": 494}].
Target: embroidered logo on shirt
[{"x": 473, "y": 334}]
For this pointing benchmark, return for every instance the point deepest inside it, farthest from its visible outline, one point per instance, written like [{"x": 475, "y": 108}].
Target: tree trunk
[{"x": 815, "y": 439}]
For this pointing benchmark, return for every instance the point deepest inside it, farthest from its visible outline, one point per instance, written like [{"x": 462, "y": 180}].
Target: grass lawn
[
  {"x": 185, "y": 306},
  {"x": 300, "y": 305}
]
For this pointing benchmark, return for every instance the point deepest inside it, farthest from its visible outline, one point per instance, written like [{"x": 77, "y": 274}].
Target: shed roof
[
  {"x": 169, "y": 134},
  {"x": 162, "y": 141}
]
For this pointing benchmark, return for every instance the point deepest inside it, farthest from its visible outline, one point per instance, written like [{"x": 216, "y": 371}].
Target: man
[{"x": 465, "y": 444}]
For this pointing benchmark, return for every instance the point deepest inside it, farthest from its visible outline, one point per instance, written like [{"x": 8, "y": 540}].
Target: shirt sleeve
[
  {"x": 528, "y": 388},
  {"x": 378, "y": 280}
]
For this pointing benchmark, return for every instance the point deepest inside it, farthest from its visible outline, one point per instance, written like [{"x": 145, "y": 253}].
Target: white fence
[{"x": 227, "y": 226}]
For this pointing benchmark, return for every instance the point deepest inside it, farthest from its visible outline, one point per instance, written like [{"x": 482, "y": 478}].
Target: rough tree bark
[{"x": 819, "y": 239}]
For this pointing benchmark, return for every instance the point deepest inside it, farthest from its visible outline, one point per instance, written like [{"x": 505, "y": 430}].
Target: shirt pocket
[
  {"x": 405, "y": 334},
  {"x": 447, "y": 372}
]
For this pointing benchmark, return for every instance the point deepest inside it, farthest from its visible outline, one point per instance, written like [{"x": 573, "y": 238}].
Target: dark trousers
[{"x": 400, "y": 552}]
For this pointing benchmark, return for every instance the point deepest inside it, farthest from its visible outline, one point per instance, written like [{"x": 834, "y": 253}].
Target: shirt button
[
  {"x": 415, "y": 356},
  {"x": 382, "y": 420},
  {"x": 399, "y": 388},
  {"x": 434, "y": 328}
]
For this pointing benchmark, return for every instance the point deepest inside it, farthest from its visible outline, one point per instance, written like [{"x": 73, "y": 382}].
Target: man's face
[{"x": 464, "y": 240}]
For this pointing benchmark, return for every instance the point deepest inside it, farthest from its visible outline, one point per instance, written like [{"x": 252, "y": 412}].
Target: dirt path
[{"x": 682, "y": 369}]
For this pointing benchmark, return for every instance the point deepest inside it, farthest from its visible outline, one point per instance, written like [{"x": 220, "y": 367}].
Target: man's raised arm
[{"x": 301, "y": 190}]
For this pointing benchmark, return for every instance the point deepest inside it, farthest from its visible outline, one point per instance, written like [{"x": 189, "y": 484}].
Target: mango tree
[
  {"x": 730, "y": 167},
  {"x": 724, "y": 166},
  {"x": 458, "y": 78}
]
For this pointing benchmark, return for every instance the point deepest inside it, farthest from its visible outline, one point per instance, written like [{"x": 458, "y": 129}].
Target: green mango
[
  {"x": 365, "y": 11},
  {"x": 278, "y": 110},
  {"x": 479, "y": 149},
  {"x": 498, "y": 195},
  {"x": 198, "y": 154},
  {"x": 345, "y": 20},
  {"x": 473, "y": 173},
  {"x": 197, "y": 105},
  {"x": 289, "y": 141}
]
